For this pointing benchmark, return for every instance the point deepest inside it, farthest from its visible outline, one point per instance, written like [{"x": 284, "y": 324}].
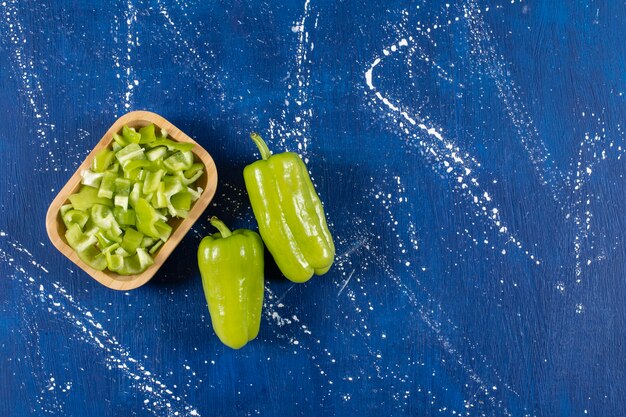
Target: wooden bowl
[{"x": 208, "y": 181}]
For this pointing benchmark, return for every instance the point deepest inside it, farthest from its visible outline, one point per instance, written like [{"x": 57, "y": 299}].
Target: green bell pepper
[
  {"x": 290, "y": 214},
  {"x": 231, "y": 266}
]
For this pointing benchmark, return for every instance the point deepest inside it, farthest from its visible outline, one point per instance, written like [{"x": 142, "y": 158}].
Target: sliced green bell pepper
[
  {"x": 103, "y": 217},
  {"x": 136, "y": 263},
  {"x": 116, "y": 192},
  {"x": 147, "y": 134},
  {"x": 131, "y": 240},
  {"x": 78, "y": 240},
  {"x": 93, "y": 257},
  {"x": 87, "y": 197},
  {"x": 102, "y": 160},
  {"x": 75, "y": 216},
  {"x": 171, "y": 144},
  {"x": 130, "y": 135}
]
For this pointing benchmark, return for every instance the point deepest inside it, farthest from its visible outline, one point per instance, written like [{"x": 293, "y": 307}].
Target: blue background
[{"x": 470, "y": 160}]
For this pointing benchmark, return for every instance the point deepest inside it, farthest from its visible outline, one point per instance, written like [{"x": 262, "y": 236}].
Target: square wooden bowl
[{"x": 208, "y": 181}]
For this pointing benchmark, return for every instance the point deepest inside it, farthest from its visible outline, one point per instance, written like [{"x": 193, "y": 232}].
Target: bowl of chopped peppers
[{"x": 132, "y": 200}]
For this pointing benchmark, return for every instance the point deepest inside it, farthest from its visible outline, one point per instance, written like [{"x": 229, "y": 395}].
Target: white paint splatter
[
  {"x": 194, "y": 57},
  {"x": 295, "y": 121},
  {"x": 60, "y": 304},
  {"x": 123, "y": 58},
  {"x": 23, "y": 63},
  {"x": 447, "y": 157},
  {"x": 485, "y": 54}
]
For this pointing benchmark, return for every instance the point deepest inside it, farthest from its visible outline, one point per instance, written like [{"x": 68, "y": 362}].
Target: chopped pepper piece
[
  {"x": 102, "y": 160},
  {"x": 147, "y": 134},
  {"x": 179, "y": 161},
  {"x": 132, "y": 240},
  {"x": 171, "y": 144},
  {"x": 115, "y": 261},
  {"x": 77, "y": 239},
  {"x": 119, "y": 141},
  {"x": 107, "y": 185},
  {"x": 156, "y": 153},
  {"x": 90, "y": 178},
  {"x": 146, "y": 218},
  {"x": 93, "y": 257},
  {"x": 152, "y": 180},
  {"x": 124, "y": 217},
  {"x": 136, "y": 263},
  {"x": 131, "y": 135},
  {"x": 75, "y": 216},
  {"x": 129, "y": 152},
  {"x": 103, "y": 217},
  {"x": 87, "y": 197}
]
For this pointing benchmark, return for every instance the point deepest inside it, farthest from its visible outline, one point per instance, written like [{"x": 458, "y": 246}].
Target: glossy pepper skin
[
  {"x": 290, "y": 214},
  {"x": 231, "y": 266}
]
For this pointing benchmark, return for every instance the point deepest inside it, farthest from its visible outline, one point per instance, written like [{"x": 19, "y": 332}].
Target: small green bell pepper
[
  {"x": 290, "y": 214},
  {"x": 231, "y": 266}
]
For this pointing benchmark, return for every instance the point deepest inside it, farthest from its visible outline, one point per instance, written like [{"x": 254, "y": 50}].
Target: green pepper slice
[
  {"x": 130, "y": 134},
  {"x": 147, "y": 134},
  {"x": 87, "y": 197},
  {"x": 103, "y": 159}
]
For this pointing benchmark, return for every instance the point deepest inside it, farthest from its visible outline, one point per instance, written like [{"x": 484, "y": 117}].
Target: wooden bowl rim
[{"x": 107, "y": 278}]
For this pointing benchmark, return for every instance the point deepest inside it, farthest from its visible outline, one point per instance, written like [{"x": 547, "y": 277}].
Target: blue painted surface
[{"x": 470, "y": 157}]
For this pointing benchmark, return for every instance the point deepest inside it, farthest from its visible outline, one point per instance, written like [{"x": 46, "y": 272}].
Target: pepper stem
[
  {"x": 220, "y": 226},
  {"x": 260, "y": 143}
]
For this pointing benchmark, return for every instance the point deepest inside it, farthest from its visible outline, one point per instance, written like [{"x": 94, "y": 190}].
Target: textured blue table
[{"x": 471, "y": 160}]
